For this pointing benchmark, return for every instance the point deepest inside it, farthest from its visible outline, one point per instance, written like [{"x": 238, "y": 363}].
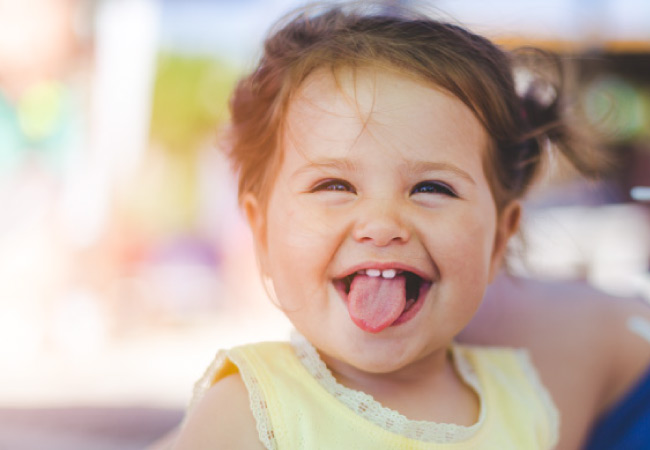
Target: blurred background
[{"x": 124, "y": 262}]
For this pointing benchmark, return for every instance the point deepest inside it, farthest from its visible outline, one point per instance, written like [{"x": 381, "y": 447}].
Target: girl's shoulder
[
  {"x": 587, "y": 346},
  {"x": 221, "y": 419},
  {"x": 220, "y": 414}
]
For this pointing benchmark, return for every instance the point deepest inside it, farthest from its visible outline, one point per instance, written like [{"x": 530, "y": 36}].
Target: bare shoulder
[
  {"x": 579, "y": 339},
  {"x": 222, "y": 419}
]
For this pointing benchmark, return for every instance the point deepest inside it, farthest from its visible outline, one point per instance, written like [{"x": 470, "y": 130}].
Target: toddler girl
[{"x": 381, "y": 158}]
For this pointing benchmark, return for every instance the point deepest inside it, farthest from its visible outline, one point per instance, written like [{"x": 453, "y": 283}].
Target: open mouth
[{"x": 377, "y": 299}]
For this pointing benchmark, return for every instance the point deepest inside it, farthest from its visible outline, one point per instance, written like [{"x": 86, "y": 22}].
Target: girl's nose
[{"x": 381, "y": 227}]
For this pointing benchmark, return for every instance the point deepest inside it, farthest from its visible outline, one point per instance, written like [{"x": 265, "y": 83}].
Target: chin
[
  {"x": 382, "y": 358},
  {"x": 381, "y": 367}
]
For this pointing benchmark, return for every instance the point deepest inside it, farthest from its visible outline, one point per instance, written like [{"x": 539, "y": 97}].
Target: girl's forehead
[
  {"x": 358, "y": 87},
  {"x": 352, "y": 100},
  {"x": 342, "y": 113}
]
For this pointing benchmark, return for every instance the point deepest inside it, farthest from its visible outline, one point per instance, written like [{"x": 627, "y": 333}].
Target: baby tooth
[
  {"x": 373, "y": 272},
  {"x": 389, "y": 273}
]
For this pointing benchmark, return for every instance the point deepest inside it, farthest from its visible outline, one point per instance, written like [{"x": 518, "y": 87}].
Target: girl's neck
[
  {"x": 422, "y": 370},
  {"x": 428, "y": 389}
]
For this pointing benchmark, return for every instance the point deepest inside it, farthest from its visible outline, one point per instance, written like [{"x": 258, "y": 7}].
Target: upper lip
[{"x": 384, "y": 266}]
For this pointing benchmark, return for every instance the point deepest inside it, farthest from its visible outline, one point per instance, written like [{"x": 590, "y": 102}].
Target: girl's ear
[
  {"x": 256, "y": 221},
  {"x": 507, "y": 226}
]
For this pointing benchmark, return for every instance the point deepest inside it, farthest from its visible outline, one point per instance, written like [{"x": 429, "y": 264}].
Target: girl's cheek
[
  {"x": 463, "y": 236},
  {"x": 301, "y": 227}
]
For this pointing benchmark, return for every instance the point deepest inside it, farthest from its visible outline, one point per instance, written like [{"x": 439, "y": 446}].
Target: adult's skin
[{"x": 568, "y": 324}]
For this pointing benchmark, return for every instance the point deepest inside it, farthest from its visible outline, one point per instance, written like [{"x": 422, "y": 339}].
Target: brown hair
[{"x": 468, "y": 66}]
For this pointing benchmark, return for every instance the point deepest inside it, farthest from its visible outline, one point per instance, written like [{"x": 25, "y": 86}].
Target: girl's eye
[
  {"x": 334, "y": 185},
  {"x": 433, "y": 187}
]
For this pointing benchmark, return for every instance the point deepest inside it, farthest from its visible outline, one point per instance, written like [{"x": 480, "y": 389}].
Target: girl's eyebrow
[
  {"x": 431, "y": 166},
  {"x": 327, "y": 163},
  {"x": 410, "y": 166}
]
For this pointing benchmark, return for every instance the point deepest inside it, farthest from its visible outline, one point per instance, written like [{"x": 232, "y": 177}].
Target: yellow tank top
[{"x": 298, "y": 404}]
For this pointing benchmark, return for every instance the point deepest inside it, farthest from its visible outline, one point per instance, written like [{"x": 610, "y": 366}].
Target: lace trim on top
[
  {"x": 390, "y": 420},
  {"x": 552, "y": 412},
  {"x": 258, "y": 407},
  {"x": 256, "y": 398},
  {"x": 204, "y": 383}
]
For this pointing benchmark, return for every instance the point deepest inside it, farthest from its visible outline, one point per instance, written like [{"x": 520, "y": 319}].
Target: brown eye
[
  {"x": 334, "y": 185},
  {"x": 433, "y": 187}
]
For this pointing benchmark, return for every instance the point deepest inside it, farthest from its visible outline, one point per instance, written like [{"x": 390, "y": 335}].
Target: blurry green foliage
[
  {"x": 189, "y": 100},
  {"x": 618, "y": 108}
]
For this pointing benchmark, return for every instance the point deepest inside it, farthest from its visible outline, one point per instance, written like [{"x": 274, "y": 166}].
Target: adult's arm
[{"x": 581, "y": 342}]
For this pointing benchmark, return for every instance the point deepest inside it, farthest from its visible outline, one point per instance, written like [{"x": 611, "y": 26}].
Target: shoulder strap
[
  {"x": 515, "y": 395},
  {"x": 229, "y": 362}
]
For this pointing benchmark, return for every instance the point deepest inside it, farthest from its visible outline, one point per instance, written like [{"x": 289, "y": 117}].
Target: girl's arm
[{"x": 222, "y": 419}]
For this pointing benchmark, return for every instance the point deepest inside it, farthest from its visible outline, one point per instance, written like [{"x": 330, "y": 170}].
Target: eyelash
[
  {"x": 424, "y": 187},
  {"x": 433, "y": 187},
  {"x": 334, "y": 185}
]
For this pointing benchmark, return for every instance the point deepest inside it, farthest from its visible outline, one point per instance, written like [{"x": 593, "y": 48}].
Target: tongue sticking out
[{"x": 374, "y": 303}]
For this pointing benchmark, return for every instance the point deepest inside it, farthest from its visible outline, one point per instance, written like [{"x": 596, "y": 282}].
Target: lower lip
[{"x": 408, "y": 315}]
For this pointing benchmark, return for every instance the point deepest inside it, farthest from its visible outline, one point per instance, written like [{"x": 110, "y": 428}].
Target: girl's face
[{"x": 381, "y": 232}]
